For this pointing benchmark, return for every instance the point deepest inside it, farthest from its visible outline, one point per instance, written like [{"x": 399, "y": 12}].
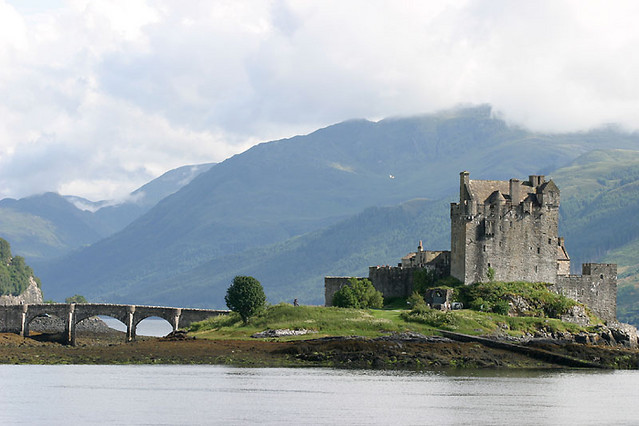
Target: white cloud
[{"x": 98, "y": 97}]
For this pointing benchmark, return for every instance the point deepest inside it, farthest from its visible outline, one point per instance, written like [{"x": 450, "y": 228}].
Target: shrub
[
  {"x": 423, "y": 280},
  {"x": 359, "y": 294},
  {"x": 502, "y": 307},
  {"x": 479, "y": 304},
  {"x": 245, "y": 296},
  {"x": 490, "y": 274},
  {"x": 76, "y": 299},
  {"x": 492, "y": 297},
  {"x": 417, "y": 302}
]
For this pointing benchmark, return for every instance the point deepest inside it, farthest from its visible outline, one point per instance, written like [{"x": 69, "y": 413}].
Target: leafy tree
[
  {"x": 359, "y": 294},
  {"x": 5, "y": 251},
  {"x": 245, "y": 296},
  {"x": 423, "y": 280},
  {"x": 76, "y": 299}
]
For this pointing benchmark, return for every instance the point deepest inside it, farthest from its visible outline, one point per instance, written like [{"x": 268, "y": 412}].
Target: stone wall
[
  {"x": 392, "y": 281},
  {"x": 596, "y": 287}
]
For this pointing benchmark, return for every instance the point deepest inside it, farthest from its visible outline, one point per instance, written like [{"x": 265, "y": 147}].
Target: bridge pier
[
  {"x": 69, "y": 326},
  {"x": 24, "y": 326},
  {"x": 176, "y": 319},
  {"x": 130, "y": 324}
]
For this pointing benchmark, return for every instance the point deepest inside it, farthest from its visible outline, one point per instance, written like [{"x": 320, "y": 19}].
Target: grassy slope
[
  {"x": 296, "y": 268},
  {"x": 372, "y": 323}
]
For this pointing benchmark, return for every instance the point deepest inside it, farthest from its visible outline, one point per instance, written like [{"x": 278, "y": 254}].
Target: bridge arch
[{"x": 158, "y": 325}]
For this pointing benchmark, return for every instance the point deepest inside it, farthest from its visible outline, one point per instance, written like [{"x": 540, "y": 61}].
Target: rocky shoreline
[{"x": 408, "y": 351}]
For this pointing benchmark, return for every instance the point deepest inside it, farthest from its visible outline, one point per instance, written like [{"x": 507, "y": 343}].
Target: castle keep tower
[{"x": 509, "y": 227}]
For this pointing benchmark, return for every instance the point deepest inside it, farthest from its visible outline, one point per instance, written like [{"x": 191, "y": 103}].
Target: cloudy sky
[{"x": 99, "y": 97}]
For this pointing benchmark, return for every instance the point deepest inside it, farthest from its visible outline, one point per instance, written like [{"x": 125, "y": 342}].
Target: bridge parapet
[
  {"x": 189, "y": 316},
  {"x": 16, "y": 318}
]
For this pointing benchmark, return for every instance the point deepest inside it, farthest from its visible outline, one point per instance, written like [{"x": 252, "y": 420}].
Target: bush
[
  {"x": 423, "y": 280},
  {"x": 502, "y": 307},
  {"x": 479, "y": 304},
  {"x": 359, "y": 294},
  {"x": 246, "y": 297},
  {"x": 417, "y": 302},
  {"x": 76, "y": 299},
  {"x": 493, "y": 297}
]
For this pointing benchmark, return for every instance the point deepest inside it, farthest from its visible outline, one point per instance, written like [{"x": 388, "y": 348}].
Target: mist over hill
[
  {"x": 46, "y": 226},
  {"x": 270, "y": 211}
]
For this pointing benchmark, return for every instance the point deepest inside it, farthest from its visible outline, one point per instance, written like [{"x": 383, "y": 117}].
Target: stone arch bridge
[{"x": 16, "y": 318}]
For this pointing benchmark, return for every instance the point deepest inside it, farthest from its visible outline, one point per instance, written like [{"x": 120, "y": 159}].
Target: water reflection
[{"x": 220, "y": 394}]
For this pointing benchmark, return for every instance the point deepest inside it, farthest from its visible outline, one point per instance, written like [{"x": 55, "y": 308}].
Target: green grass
[
  {"x": 331, "y": 321},
  {"x": 473, "y": 322}
]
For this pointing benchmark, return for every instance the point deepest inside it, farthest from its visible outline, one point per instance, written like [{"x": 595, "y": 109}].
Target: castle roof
[
  {"x": 562, "y": 254},
  {"x": 481, "y": 190}
]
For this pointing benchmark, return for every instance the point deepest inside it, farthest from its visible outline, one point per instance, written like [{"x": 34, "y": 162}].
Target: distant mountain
[
  {"x": 279, "y": 190},
  {"x": 49, "y": 225},
  {"x": 296, "y": 268},
  {"x": 45, "y": 226}
]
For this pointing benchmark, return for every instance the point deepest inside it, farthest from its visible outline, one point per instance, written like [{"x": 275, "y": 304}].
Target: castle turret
[
  {"x": 536, "y": 180},
  {"x": 515, "y": 191}
]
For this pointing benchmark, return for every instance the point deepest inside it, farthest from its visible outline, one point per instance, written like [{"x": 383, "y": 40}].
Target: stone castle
[{"x": 507, "y": 230}]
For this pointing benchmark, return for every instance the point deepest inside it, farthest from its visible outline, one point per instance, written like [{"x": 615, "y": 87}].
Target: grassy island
[{"x": 399, "y": 336}]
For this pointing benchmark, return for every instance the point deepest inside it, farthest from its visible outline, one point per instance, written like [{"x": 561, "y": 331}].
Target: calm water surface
[{"x": 80, "y": 394}]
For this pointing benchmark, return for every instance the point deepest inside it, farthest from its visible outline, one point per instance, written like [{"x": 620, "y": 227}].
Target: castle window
[
  {"x": 535, "y": 268},
  {"x": 489, "y": 265},
  {"x": 601, "y": 276},
  {"x": 484, "y": 248},
  {"x": 549, "y": 240},
  {"x": 538, "y": 250}
]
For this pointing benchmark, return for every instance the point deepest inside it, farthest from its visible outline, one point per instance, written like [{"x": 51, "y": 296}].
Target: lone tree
[{"x": 245, "y": 296}]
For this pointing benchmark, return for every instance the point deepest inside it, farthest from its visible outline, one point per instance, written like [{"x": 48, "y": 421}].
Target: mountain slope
[
  {"x": 49, "y": 225},
  {"x": 295, "y": 268},
  {"x": 45, "y": 226}
]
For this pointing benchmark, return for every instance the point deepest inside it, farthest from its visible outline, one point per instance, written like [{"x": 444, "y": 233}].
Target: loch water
[{"x": 188, "y": 394}]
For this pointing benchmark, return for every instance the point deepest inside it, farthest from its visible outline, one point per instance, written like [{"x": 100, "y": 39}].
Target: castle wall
[
  {"x": 596, "y": 287},
  {"x": 458, "y": 241},
  {"x": 392, "y": 281},
  {"x": 563, "y": 267},
  {"x": 517, "y": 245}
]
